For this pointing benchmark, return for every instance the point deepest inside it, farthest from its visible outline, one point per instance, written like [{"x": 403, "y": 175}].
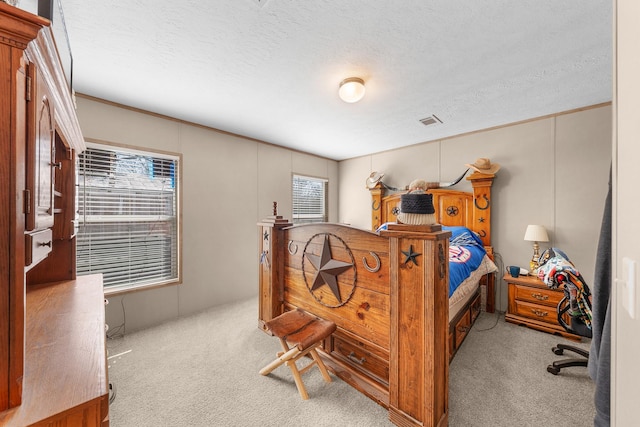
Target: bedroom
[{"x": 211, "y": 195}]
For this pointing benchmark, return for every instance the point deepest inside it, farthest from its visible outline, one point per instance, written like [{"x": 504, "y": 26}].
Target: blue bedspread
[{"x": 466, "y": 253}]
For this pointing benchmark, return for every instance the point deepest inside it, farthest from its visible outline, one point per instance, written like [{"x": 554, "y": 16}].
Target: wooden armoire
[{"x": 52, "y": 329}]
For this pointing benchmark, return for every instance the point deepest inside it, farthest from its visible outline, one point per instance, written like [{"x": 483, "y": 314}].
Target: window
[
  {"x": 309, "y": 199},
  {"x": 128, "y": 217}
]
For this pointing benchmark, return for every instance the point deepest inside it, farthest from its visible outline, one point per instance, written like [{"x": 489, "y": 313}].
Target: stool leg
[
  {"x": 291, "y": 363},
  {"x": 282, "y": 358},
  {"x": 298, "y": 378},
  {"x": 320, "y": 363}
]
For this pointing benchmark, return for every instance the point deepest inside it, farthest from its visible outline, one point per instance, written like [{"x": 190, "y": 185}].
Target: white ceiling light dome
[{"x": 351, "y": 89}]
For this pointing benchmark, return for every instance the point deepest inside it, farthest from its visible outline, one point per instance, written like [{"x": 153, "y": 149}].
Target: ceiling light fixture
[{"x": 351, "y": 89}]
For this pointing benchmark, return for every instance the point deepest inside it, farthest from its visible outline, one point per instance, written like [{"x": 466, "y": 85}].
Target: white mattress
[
  {"x": 459, "y": 303},
  {"x": 468, "y": 288}
]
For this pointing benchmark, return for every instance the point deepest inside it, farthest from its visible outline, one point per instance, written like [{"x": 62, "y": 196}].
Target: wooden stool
[{"x": 303, "y": 332}]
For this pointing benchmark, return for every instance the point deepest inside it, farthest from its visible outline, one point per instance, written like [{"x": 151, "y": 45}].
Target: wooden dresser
[
  {"x": 534, "y": 304},
  {"x": 65, "y": 376},
  {"x": 52, "y": 332}
]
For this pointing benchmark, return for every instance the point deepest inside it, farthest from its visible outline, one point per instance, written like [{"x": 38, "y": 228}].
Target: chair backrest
[{"x": 578, "y": 326}]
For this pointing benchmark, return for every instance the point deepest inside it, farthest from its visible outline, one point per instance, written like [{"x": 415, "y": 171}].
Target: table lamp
[{"x": 535, "y": 234}]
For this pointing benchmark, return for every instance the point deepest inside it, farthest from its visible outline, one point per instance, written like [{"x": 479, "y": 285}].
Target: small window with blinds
[
  {"x": 128, "y": 226},
  {"x": 309, "y": 199}
]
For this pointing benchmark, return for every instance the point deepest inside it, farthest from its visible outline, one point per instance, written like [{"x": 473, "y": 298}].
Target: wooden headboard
[{"x": 469, "y": 209}]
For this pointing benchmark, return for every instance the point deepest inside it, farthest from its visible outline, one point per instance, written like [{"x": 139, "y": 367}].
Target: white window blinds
[
  {"x": 128, "y": 217},
  {"x": 309, "y": 199}
]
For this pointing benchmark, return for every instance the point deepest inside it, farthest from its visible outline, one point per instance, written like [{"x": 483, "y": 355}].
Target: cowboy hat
[{"x": 484, "y": 165}]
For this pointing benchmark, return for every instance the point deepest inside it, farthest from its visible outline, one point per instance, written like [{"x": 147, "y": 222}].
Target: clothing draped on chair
[{"x": 556, "y": 270}]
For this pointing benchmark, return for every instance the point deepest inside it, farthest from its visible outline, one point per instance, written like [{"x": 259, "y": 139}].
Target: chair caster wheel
[
  {"x": 557, "y": 351},
  {"x": 553, "y": 370}
]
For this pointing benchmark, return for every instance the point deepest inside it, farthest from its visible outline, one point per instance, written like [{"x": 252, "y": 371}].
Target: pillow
[{"x": 462, "y": 236}]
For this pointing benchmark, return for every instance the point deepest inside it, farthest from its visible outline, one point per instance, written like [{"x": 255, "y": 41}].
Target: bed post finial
[{"x": 275, "y": 218}]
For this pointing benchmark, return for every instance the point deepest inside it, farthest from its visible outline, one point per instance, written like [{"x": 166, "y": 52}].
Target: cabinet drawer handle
[
  {"x": 463, "y": 329},
  {"x": 353, "y": 358},
  {"x": 540, "y": 297},
  {"x": 539, "y": 313},
  {"x": 45, "y": 243}
]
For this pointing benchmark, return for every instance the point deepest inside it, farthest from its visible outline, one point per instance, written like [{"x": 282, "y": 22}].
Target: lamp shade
[
  {"x": 536, "y": 233},
  {"x": 351, "y": 89}
]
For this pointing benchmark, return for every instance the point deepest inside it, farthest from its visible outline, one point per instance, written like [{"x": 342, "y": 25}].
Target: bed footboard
[{"x": 387, "y": 294}]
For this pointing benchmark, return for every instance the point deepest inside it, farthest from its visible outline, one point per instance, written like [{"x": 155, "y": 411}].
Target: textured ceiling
[{"x": 270, "y": 69}]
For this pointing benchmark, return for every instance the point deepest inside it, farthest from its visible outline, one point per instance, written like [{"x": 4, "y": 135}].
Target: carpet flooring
[{"x": 202, "y": 371}]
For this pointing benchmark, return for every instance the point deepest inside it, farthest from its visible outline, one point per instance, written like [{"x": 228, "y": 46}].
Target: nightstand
[{"x": 533, "y": 304}]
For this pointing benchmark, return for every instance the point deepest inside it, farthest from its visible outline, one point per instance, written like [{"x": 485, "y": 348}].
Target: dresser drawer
[
  {"x": 538, "y": 296},
  {"x": 538, "y": 312},
  {"x": 461, "y": 328},
  {"x": 364, "y": 357},
  {"x": 38, "y": 246},
  {"x": 452, "y": 347},
  {"x": 476, "y": 307}
]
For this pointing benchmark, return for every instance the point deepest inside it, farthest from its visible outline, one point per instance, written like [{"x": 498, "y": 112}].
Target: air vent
[{"x": 431, "y": 120}]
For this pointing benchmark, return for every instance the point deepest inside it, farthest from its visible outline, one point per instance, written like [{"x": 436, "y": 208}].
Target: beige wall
[
  {"x": 554, "y": 172},
  {"x": 228, "y": 184}
]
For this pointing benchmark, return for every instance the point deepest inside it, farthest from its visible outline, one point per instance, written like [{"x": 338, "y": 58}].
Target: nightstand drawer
[
  {"x": 538, "y": 296},
  {"x": 538, "y": 312},
  {"x": 534, "y": 304}
]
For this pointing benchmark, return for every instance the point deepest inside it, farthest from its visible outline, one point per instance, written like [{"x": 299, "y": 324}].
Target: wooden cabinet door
[
  {"x": 40, "y": 155},
  {"x": 64, "y": 191}
]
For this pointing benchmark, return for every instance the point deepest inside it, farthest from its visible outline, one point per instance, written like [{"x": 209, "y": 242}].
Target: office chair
[{"x": 577, "y": 327}]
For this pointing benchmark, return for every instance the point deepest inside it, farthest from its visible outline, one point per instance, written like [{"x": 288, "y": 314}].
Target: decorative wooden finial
[{"x": 275, "y": 218}]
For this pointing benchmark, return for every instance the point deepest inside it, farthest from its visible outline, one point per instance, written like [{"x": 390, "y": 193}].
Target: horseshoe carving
[
  {"x": 475, "y": 202},
  {"x": 374, "y": 207},
  {"x": 294, "y": 250},
  {"x": 482, "y": 233},
  {"x": 366, "y": 265}
]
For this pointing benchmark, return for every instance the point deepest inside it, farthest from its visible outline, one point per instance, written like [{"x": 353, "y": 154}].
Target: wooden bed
[
  {"x": 387, "y": 292},
  {"x": 453, "y": 208}
]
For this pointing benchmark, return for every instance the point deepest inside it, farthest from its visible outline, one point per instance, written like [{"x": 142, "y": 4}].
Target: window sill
[{"x": 126, "y": 289}]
